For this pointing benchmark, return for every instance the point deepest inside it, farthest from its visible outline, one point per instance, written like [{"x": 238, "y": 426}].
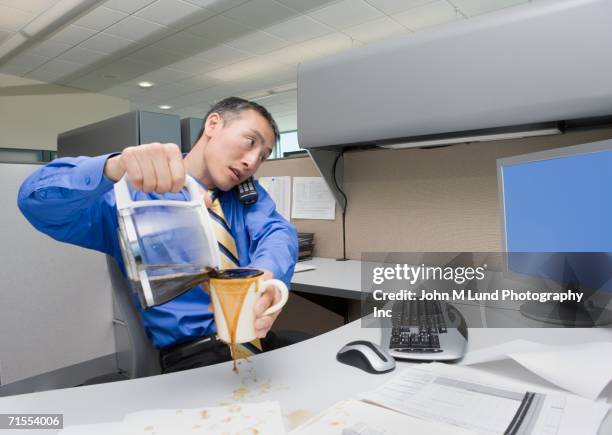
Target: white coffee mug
[{"x": 234, "y": 293}]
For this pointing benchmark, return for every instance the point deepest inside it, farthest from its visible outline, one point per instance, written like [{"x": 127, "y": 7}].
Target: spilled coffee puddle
[{"x": 251, "y": 388}]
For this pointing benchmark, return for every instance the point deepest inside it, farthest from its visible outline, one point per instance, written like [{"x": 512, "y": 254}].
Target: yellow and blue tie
[{"x": 229, "y": 260}]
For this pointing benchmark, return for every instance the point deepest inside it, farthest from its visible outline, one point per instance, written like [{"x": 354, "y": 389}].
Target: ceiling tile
[
  {"x": 201, "y": 81},
  {"x": 48, "y": 49},
  {"x": 184, "y": 42},
  {"x": 72, "y": 35},
  {"x": 248, "y": 68},
  {"x": 376, "y": 30},
  {"x": 281, "y": 76},
  {"x": 54, "y": 70},
  {"x": 14, "y": 19},
  {"x": 260, "y": 13},
  {"x": 283, "y": 99},
  {"x": 391, "y": 7},
  {"x": 129, "y": 7},
  {"x": 304, "y": 6},
  {"x": 28, "y": 60},
  {"x": 193, "y": 101},
  {"x": 170, "y": 90},
  {"x": 229, "y": 73},
  {"x": 217, "y": 5},
  {"x": 126, "y": 69},
  {"x": 346, "y": 13},
  {"x": 123, "y": 91},
  {"x": 174, "y": 13},
  {"x": 183, "y": 100},
  {"x": 477, "y": 7},
  {"x": 156, "y": 56},
  {"x": 258, "y": 42},
  {"x": 135, "y": 28},
  {"x": 219, "y": 29},
  {"x": 161, "y": 76},
  {"x": 82, "y": 55},
  {"x": 291, "y": 55},
  {"x": 100, "y": 18},
  {"x": 224, "y": 55},
  {"x": 106, "y": 43},
  {"x": 329, "y": 44},
  {"x": 194, "y": 65},
  {"x": 299, "y": 29},
  {"x": 44, "y": 75},
  {"x": 428, "y": 15},
  {"x": 61, "y": 66}
]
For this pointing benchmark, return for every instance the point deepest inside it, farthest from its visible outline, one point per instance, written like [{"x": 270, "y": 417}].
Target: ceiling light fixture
[
  {"x": 146, "y": 84},
  {"x": 165, "y": 107}
]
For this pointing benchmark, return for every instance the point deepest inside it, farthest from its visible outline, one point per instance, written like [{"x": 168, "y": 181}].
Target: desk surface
[
  {"x": 304, "y": 378},
  {"x": 330, "y": 278}
]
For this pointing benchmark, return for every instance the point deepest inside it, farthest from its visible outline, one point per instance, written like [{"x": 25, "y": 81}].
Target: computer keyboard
[{"x": 426, "y": 331}]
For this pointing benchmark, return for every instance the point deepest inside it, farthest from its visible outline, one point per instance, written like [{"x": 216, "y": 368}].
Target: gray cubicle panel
[
  {"x": 55, "y": 299},
  {"x": 190, "y": 132},
  {"x": 114, "y": 134}
]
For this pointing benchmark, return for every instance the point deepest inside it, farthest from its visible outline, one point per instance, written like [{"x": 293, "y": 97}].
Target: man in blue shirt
[{"x": 72, "y": 200}]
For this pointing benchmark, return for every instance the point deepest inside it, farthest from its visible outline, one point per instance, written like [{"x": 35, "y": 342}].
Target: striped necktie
[
  {"x": 229, "y": 260},
  {"x": 227, "y": 245}
]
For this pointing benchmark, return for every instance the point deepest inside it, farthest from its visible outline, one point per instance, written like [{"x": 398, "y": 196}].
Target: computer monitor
[{"x": 557, "y": 225}]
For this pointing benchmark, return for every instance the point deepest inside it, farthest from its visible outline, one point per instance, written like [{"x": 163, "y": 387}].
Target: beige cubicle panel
[{"x": 436, "y": 199}]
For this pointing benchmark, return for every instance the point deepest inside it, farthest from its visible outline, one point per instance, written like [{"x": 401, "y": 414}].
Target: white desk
[
  {"x": 304, "y": 377},
  {"x": 330, "y": 278}
]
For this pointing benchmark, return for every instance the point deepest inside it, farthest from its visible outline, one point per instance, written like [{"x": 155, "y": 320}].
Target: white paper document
[
  {"x": 559, "y": 365},
  {"x": 279, "y": 189},
  {"x": 462, "y": 398},
  {"x": 300, "y": 267},
  {"x": 353, "y": 417},
  {"x": 243, "y": 419},
  {"x": 312, "y": 199}
]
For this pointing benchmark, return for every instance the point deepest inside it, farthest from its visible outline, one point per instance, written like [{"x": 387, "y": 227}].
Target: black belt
[{"x": 172, "y": 355}]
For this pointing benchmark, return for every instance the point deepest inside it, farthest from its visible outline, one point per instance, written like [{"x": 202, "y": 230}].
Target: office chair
[{"x": 144, "y": 357}]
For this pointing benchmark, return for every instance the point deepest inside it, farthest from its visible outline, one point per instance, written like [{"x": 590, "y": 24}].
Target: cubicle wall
[
  {"x": 438, "y": 199},
  {"x": 55, "y": 299}
]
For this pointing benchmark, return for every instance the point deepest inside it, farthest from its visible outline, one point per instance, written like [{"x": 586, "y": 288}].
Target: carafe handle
[{"x": 124, "y": 199}]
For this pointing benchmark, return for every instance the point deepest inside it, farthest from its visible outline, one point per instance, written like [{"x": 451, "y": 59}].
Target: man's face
[{"x": 236, "y": 147}]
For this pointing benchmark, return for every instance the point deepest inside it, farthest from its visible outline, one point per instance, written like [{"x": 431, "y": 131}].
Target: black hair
[{"x": 229, "y": 107}]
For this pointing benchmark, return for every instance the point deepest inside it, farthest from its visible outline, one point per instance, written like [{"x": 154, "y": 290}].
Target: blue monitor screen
[{"x": 560, "y": 201}]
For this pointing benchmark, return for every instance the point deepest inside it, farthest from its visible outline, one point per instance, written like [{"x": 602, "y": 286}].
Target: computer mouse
[{"x": 366, "y": 356}]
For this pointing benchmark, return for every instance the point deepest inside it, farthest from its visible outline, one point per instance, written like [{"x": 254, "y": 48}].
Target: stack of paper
[
  {"x": 447, "y": 399},
  {"x": 557, "y": 364},
  {"x": 353, "y": 417},
  {"x": 478, "y": 402},
  {"x": 243, "y": 419}
]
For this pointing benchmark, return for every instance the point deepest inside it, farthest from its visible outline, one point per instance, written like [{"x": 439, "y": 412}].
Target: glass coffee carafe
[{"x": 168, "y": 245}]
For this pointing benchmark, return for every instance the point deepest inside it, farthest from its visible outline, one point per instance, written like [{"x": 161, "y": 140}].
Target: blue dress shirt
[{"x": 72, "y": 201}]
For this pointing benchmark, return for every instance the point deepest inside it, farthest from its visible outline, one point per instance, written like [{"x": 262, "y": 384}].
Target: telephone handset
[{"x": 247, "y": 194}]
